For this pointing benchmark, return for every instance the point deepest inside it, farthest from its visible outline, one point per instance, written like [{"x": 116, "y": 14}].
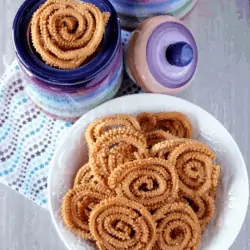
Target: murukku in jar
[
  {"x": 177, "y": 227},
  {"x": 100, "y": 154},
  {"x": 119, "y": 224},
  {"x": 152, "y": 182},
  {"x": 77, "y": 205},
  {"x": 70, "y": 54},
  {"x": 66, "y": 33},
  {"x": 194, "y": 163}
]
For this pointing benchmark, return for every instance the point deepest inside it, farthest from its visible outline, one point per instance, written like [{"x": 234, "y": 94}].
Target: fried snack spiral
[
  {"x": 66, "y": 33},
  {"x": 100, "y": 126},
  {"x": 85, "y": 176},
  {"x": 118, "y": 224},
  {"x": 215, "y": 180},
  {"x": 178, "y": 227},
  {"x": 156, "y": 136},
  {"x": 176, "y": 123},
  {"x": 100, "y": 154},
  {"x": 164, "y": 148},
  {"x": 147, "y": 121},
  {"x": 150, "y": 182},
  {"x": 77, "y": 205},
  {"x": 193, "y": 162},
  {"x": 203, "y": 206}
]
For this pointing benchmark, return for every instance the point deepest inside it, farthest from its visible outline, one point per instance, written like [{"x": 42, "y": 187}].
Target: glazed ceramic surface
[{"x": 68, "y": 94}]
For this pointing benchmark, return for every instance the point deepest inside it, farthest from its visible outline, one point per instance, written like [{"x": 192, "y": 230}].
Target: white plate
[{"x": 232, "y": 198}]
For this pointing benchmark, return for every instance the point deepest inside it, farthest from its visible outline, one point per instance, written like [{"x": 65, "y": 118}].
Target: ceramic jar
[
  {"x": 132, "y": 12},
  {"x": 68, "y": 94}
]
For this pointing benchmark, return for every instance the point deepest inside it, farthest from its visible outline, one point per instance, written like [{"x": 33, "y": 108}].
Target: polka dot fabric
[{"x": 28, "y": 137}]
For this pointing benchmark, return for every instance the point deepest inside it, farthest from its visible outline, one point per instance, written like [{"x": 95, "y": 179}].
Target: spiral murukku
[
  {"x": 151, "y": 182},
  {"x": 100, "y": 153},
  {"x": 143, "y": 187},
  {"x": 118, "y": 224},
  {"x": 85, "y": 176},
  {"x": 215, "y": 180},
  {"x": 203, "y": 206},
  {"x": 102, "y": 125},
  {"x": 177, "y": 227},
  {"x": 193, "y": 162},
  {"x": 176, "y": 123},
  {"x": 156, "y": 136},
  {"x": 164, "y": 148},
  {"x": 66, "y": 33},
  {"x": 147, "y": 121},
  {"x": 77, "y": 205}
]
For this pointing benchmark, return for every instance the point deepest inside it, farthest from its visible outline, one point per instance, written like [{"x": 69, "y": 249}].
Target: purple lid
[{"x": 167, "y": 48}]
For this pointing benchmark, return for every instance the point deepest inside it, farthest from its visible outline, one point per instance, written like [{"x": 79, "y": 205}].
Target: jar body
[
  {"x": 69, "y": 93},
  {"x": 132, "y": 13},
  {"x": 71, "y": 103}
]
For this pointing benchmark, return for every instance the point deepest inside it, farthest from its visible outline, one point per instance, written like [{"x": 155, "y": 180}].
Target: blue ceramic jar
[{"x": 68, "y": 94}]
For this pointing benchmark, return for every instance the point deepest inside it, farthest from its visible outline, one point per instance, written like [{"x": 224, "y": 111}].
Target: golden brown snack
[
  {"x": 85, "y": 176},
  {"x": 100, "y": 154},
  {"x": 178, "y": 227},
  {"x": 77, "y": 205},
  {"x": 215, "y": 180},
  {"x": 156, "y": 136},
  {"x": 193, "y": 162},
  {"x": 66, "y": 32},
  {"x": 147, "y": 121},
  {"x": 118, "y": 224},
  {"x": 176, "y": 123},
  {"x": 102, "y": 125},
  {"x": 150, "y": 182},
  {"x": 203, "y": 206},
  {"x": 164, "y": 148}
]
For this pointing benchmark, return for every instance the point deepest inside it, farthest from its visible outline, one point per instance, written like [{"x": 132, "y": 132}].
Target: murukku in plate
[
  {"x": 66, "y": 33},
  {"x": 147, "y": 121},
  {"x": 203, "y": 206},
  {"x": 156, "y": 136},
  {"x": 85, "y": 176},
  {"x": 152, "y": 182},
  {"x": 120, "y": 154},
  {"x": 194, "y": 163},
  {"x": 176, "y": 123},
  {"x": 215, "y": 180},
  {"x": 164, "y": 148},
  {"x": 178, "y": 227},
  {"x": 100, "y": 153},
  {"x": 77, "y": 205},
  {"x": 100, "y": 126},
  {"x": 118, "y": 224}
]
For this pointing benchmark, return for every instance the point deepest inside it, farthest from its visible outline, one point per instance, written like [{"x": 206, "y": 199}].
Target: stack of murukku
[
  {"x": 147, "y": 184},
  {"x": 66, "y": 33}
]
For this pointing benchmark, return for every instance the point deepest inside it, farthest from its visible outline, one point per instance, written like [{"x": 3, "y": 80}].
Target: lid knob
[{"x": 179, "y": 54}]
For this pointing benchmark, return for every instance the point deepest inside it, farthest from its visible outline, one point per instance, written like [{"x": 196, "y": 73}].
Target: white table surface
[{"x": 221, "y": 86}]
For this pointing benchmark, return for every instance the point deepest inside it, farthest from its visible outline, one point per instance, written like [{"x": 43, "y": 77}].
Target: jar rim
[{"x": 55, "y": 76}]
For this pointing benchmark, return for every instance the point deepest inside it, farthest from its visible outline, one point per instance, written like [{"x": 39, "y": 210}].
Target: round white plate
[{"x": 232, "y": 195}]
